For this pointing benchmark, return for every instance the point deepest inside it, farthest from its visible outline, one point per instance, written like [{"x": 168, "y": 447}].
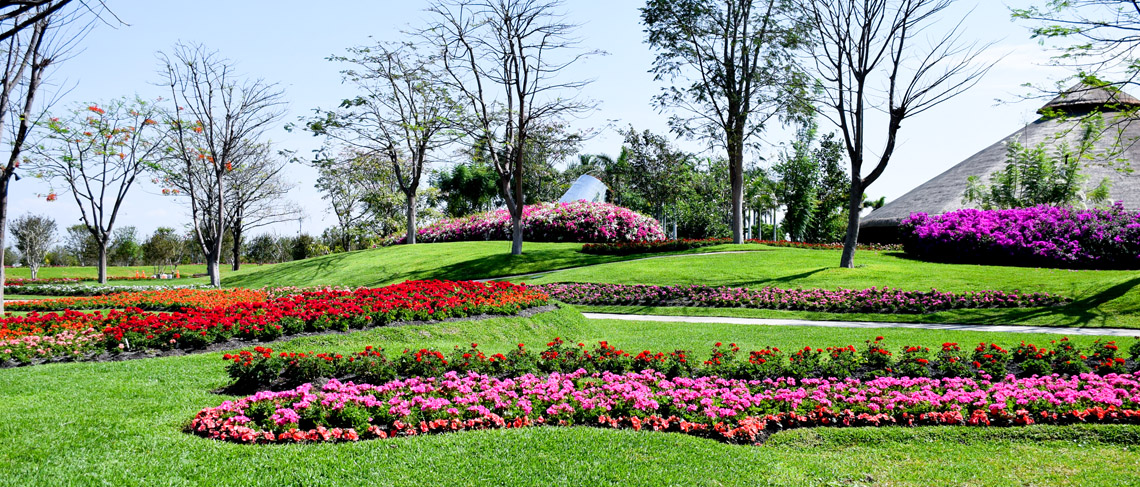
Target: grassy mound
[{"x": 451, "y": 261}]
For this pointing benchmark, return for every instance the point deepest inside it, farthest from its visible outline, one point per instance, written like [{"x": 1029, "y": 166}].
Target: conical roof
[
  {"x": 944, "y": 192},
  {"x": 1083, "y": 97}
]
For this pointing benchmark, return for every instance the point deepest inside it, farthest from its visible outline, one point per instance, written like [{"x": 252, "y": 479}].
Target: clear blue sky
[{"x": 287, "y": 42}]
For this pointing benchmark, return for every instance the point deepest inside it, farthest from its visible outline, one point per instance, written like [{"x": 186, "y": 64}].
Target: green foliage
[
  {"x": 163, "y": 250},
  {"x": 34, "y": 235},
  {"x": 81, "y": 244},
  {"x": 813, "y": 186},
  {"x": 303, "y": 246},
  {"x": 1035, "y": 176},
  {"x": 124, "y": 249},
  {"x": 467, "y": 189}
]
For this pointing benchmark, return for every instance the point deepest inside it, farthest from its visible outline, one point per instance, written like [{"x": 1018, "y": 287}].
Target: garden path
[{"x": 1120, "y": 332}]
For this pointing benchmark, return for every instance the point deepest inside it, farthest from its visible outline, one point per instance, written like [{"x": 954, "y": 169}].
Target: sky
[{"x": 287, "y": 42}]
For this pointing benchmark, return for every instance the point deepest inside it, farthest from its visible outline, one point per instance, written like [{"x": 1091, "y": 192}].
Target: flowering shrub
[
  {"x": 872, "y": 300},
  {"x": 195, "y": 328},
  {"x": 672, "y": 245},
  {"x": 262, "y": 368},
  {"x": 155, "y": 300},
  {"x": 580, "y": 221},
  {"x": 1040, "y": 236},
  {"x": 730, "y": 410}
]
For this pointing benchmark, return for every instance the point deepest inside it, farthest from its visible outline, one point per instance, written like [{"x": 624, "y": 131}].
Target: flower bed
[
  {"x": 872, "y": 300},
  {"x": 21, "y": 281},
  {"x": 151, "y": 300},
  {"x": 91, "y": 290},
  {"x": 673, "y": 245},
  {"x": 261, "y": 368},
  {"x": 1041, "y": 236},
  {"x": 580, "y": 221},
  {"x": 731, "y": 410},
  {"x": 191, "y": 329}
]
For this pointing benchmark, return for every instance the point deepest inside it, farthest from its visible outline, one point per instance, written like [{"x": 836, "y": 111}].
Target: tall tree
[
  {"x": 216, "y": 121},
  {"x": 739, "y": 60},
  {"x": 27, "y": 52},
  {"x": 34, "y": 235},
  {"x": 867, "y": 62},
  {"x": 402, "y": 115},
  {"x": 98, "y": 152},
  {"x": 258, "y": 195},
  {"x": 362, "y": 191},
  {"x": 508, "y": 61}
]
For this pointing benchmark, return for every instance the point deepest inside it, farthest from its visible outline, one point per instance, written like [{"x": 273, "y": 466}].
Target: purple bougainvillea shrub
[
  {"x": 580, "y": 221},
  {"x": 1045, "y": 236}
]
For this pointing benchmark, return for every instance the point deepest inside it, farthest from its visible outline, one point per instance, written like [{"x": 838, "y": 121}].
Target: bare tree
[
  {"x": 403, "y": 114},
  {"x": 507, "y": 61},
  {"x": 258, "y": 195},
  {"x": 34, "y": 235},
  {"x": 215, "y": 119},
  {"x": 27, "y": 54},
  {"x": 98, "y": 152},
  {"x": 740, "y": 59},
  {"x": 861, "y": 45}
]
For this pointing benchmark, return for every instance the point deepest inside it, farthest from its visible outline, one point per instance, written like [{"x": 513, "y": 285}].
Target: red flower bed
[{"x": 134, "y": 328}]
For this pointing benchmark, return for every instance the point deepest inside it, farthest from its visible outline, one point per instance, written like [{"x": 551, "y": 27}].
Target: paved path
[
  {"x": 536, "y": 274},
  {"x": 1120, "y": 332}
]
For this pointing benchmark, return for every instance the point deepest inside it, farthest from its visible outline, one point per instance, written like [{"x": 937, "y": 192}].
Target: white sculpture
[{"x": 586, "y": 188}]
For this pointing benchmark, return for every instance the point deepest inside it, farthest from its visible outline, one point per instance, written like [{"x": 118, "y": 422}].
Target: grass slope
[
  {"x": 1101, "y": 298},
  {"x": 458, "y": 261},
  {"x": 120, "y": 424}
]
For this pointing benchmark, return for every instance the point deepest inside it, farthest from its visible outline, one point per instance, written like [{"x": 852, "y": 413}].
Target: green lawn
[
  {"x": 119, "y": 424},
  {"x": 1101, "y": 298},
  {"x": 457, "y": 261}
]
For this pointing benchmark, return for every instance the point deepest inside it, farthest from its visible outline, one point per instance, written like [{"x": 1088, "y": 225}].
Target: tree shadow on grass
[
  {"x": 1082, "y": 312},
  {"x": 300, "y": 273},
  {"x": 505, "y": 264},
  {"x": 790, "y": 278}
]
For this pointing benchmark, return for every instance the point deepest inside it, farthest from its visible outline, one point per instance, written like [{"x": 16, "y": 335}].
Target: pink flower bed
[
  {"x": 580, "y": 221},
  {"x": 726, "y": 409}
]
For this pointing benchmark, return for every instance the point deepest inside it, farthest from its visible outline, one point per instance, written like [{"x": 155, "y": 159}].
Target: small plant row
[
  {"x": 21, "y": 281},
  {"x": 76, "y": 335},
  {"x": 732, "y": 410},
  {"x": 73, "y": 290},
  {"x": 674, "y": 245},
  {"x": 150, "y": 300},
  {"x": 261, "y": 368},
  {"x": 871, "y": 300}
]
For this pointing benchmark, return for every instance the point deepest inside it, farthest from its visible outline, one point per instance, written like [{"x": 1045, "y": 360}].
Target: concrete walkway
[
  {"x": 1119, "y": 332},
  {"x": 541, "y": 273}
]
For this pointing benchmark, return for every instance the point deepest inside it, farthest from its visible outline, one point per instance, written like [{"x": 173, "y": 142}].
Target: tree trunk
[
  {"x": 516, "y": 233},
  {"x": 212, "y": 268},
  {"x": 236, "y": 264},
  {"x": 3, "y": 232},
  {"x": 102, "y": 265},
  {"x": 736, "y": 177},
  {"x": 411, "y": 240},
  {"x": 854, "y": 203}
]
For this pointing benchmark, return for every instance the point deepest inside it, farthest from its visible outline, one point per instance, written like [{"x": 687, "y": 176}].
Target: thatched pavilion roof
[{"x": 944, "y": 192}]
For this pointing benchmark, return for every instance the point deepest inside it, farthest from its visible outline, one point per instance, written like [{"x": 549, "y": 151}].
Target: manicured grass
[
  {"x": 119, "y": 424},
  {"x": 1101, "y": 298},
  {"x": 455, "y": 261}
]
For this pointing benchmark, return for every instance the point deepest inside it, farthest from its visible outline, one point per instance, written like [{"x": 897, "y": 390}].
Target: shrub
[
  {"x": 1045, "y": 236},
  {"x": 580, "y": 221}
]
